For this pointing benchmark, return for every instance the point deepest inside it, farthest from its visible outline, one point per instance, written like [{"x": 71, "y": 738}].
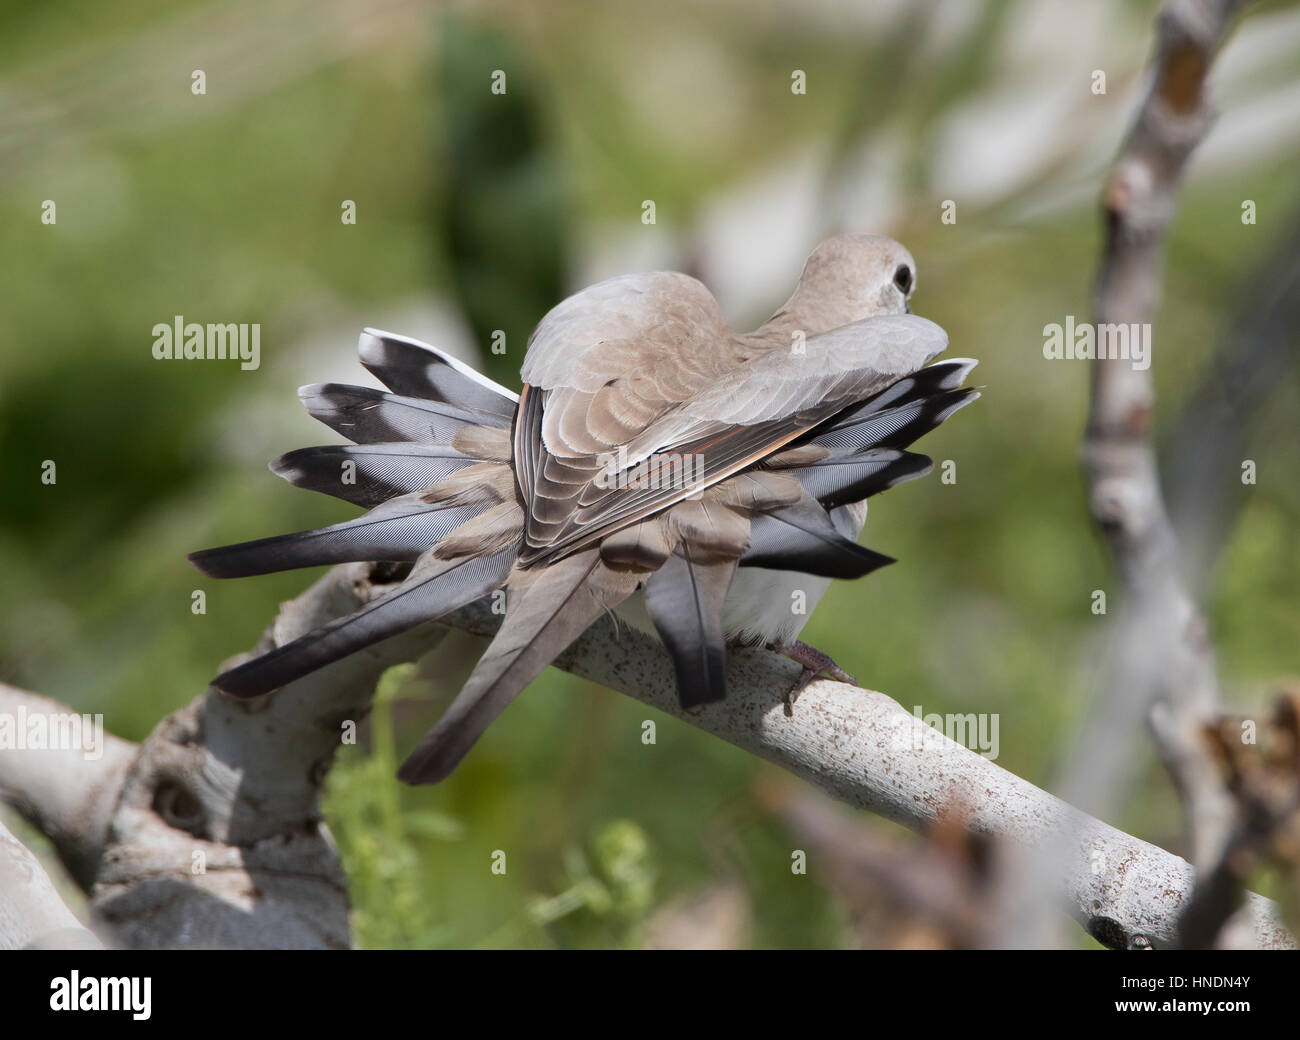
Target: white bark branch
[
  {"x": 64, "y": 791},
  {"x": 217, "y": 838},
  {"x": 863, "y": 748},
  {"x": 1165, "y": 661},
  {"x": 237, "y": 784},
  {"x": 32, "y": 913},
  {"x": 209, "y": 833}
]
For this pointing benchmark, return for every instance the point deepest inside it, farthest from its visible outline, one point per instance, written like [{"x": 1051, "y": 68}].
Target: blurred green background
[{"x": 477, "y": 212}]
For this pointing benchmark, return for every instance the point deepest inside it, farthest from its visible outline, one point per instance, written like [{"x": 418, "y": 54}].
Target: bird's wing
[
  {"x": 858, "y": 452},
  {"x": 849, "y": 457},
  {"x": 836, "y": 368},
  {"x": 602, "y": 366},
  {"x": 655, "y": 335},
  {"x": 741, "y": 414},
  {"x": 607, "y": 362}
]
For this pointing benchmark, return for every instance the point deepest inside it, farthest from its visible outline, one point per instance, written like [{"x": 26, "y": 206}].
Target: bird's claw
[{"x": 814, "y": 663}]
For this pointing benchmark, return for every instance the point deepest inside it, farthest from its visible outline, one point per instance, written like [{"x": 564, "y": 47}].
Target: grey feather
[
  {"x": 399, "y": 529},
  {"x": 443, "y": 586},
  {"x": 868, "y": 426},
  {"x": 377, "y": 472},
  {"x": 367, "y": 416},
  {"x": 932, "y": 379},
  {"x": 684, "y": 599},
  {"x": 414, "y": 369},
  {"x": 854, "y": 476},
  {"x": 802, "y": 538},
  {"x": 547, "y": 609}
]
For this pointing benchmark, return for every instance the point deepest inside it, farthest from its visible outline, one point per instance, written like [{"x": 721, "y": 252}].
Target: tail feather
[
  {"x": 399, "y": 529},
  {"x": 854, "y": 476},
  {"x": 432, "y": 590},
  {"x": 684, "y": 599},
  {"x": 897, "y": 426},
  {"x": 369, "y": 474},
  {"x": 414, "y": 369},
  {"x": 858, "y": 453},
  {"x": 802, "y": 537},
  {"x": 367, "y": 416},
  {"x": 548, "y": 608},
  {"x": 924, "y": 382}
]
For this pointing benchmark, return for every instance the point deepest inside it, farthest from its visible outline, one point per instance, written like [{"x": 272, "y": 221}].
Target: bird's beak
[{"x": 907, "y": 307}]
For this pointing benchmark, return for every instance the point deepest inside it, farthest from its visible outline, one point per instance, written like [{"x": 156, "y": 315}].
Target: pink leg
[{"x": 814, "y": 663}]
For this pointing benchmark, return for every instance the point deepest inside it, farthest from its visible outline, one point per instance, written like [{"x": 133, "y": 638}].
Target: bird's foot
[{"x": 814, "y": 663}]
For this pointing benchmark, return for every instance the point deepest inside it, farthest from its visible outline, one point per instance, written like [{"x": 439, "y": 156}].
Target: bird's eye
[{"x": 903, "y": 278}]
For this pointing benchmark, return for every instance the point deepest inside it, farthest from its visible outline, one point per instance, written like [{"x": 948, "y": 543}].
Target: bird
[{"x": 656, "y": 465}]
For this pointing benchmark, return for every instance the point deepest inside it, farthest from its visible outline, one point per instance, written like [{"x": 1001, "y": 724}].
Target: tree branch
[
  {"x": 31, "y": 912},
  {"x": 209, "y": 832},
  {"x": 233, "y": 786},
  {"x": 1213, "y": 436},
  {"x": 1166, "y": 658},
  {"x": 64, "y": 791},
  {"x": 863, "y": 748}
]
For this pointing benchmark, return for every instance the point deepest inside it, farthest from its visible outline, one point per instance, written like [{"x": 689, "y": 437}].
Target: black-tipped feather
[
  {"x": 933, "y": 379},
  {"x": 801, "y": 537},
  {"x": 367, "y": 416},
  {"x": 852, "y": 477},
  {"x": 684, "y": 599},
  {"x": 399, "y": 529},
  {"x": 402, "y": 446},
  {"x": 369, "y": 474},
  {"x": 897, "y": 426},
  {"x": 865, "y": 441},
  {"x": 444, "y": 586},
  {"x": 418, "y": 370}
]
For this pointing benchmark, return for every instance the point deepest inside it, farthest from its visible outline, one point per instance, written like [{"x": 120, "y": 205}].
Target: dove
[{"x": 656, "y": 464}]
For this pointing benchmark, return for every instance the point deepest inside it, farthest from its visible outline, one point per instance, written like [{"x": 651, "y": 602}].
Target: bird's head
[{"x": 850, "y": 278}]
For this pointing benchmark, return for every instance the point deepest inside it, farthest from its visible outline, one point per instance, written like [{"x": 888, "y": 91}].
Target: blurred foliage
[
  {"x": 499, "y": 181},
  {"x": 226, "y": 207}
]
